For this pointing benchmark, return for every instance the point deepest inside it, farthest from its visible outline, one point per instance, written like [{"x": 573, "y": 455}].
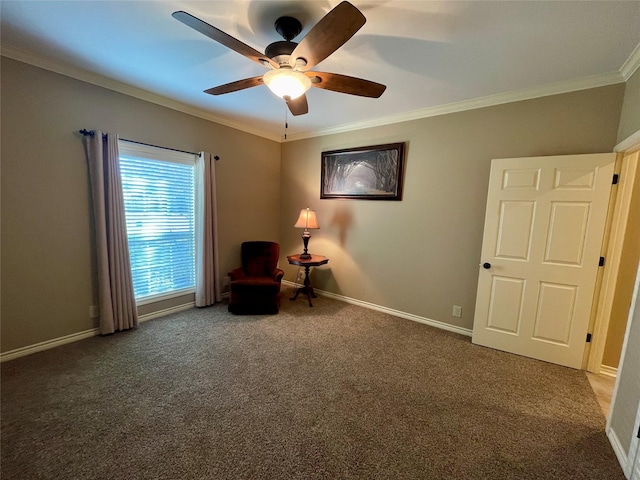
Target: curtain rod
[{"x": 86, "y": 133}]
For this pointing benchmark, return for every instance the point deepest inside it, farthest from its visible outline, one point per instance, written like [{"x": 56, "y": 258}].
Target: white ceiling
[{"x": 433, "y": 56}]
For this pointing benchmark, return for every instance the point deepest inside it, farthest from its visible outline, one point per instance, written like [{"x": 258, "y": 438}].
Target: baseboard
[
  {"x": 74, "y": 337},
  {"x": 390, "y": 311},
  {"x": 619, "y": 451},
  {"x": 608, "y": 371},
  {"x": 166, "y": 311},
  {"x": 56, "y": 342}
]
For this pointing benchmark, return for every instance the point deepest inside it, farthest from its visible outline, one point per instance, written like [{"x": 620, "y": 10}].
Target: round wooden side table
[{"x": 307, "y": 263}]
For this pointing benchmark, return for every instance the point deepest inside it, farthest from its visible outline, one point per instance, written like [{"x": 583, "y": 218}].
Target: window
[{"x": 159, "y": 202}]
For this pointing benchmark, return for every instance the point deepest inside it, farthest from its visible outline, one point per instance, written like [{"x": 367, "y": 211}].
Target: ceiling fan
[{"x": 290, "y": 63}]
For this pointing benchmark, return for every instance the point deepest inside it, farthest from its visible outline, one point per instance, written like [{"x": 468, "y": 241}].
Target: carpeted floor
[{"x": 330, "y": 392}]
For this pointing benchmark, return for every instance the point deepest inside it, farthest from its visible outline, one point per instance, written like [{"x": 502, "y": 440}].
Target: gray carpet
[{"x": 331, "y": 392}]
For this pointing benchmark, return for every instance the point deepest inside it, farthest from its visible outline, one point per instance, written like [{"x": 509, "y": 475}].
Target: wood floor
[{"x": 602, "y": 386}]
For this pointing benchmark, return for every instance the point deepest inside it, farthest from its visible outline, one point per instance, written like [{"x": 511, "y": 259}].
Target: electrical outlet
[
  {"x": 300, "y": 275},
  {"x": 226, "y": 280},
  {"x": 457, "y": 311},
  {"x": 94, "y": 311}
]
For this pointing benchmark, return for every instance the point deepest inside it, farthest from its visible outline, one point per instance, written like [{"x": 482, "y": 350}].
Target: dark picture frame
[{"x": 365, "y": 173}]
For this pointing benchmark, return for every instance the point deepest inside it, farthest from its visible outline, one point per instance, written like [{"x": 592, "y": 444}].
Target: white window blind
[{"x": 159, "y": 201}]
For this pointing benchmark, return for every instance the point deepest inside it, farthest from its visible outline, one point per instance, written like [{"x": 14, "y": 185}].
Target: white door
[{"x": 543, "y": 232}]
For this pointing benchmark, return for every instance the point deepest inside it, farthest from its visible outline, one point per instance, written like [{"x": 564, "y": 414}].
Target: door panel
[
  {"x": 556, "y": 304},
  {"x": 543, "y": 232},
  {"x": 567, "y": 229},
  {"x": 514, "y": 232},
  {"x": 521, "y": 178},
  {"x": 505, "y": 308}
]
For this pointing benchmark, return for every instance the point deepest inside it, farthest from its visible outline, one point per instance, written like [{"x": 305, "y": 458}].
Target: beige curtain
[
  {"x": 117, "y": 302},
  {"x": 208, "y": 290}
]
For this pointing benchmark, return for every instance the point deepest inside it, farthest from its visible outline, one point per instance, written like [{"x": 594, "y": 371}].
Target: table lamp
[{"x": 306, "y": 220}]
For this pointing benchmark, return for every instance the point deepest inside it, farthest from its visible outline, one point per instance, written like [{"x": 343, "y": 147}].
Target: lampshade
[
  {"x": 307, "y": 219},
  {"x": 285, "y": 82}
]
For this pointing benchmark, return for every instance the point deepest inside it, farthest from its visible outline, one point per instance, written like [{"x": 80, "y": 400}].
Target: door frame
[
  {"x": 627, "y": 460},
  {"x": 633, "y": 459},
  {"x": 627, "y": 164}
]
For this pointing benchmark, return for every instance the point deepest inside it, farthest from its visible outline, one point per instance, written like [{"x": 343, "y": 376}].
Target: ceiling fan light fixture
[{"x": 285, "y": 82}]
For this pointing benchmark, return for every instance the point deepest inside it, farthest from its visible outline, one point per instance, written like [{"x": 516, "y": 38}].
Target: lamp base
[{"x": 305, "y": 255}]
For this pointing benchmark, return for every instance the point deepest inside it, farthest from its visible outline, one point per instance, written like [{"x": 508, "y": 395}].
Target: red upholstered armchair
[{"x": 255, "y": 287}]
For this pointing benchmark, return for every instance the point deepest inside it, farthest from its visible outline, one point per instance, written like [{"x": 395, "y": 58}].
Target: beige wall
[
  {"x": 421, "y": 255},
  {"x": 48, "y": 272},
  {"x": 630, "y": 116}
]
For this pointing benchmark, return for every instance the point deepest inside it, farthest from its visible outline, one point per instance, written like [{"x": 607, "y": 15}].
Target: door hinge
[
  {"x": 588, "y": 338},
  {"x": 601, "y": 262},
  {"x": 616, "y": 177}
]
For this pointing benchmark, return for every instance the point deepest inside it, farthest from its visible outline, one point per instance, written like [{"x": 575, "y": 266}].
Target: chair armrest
[
  {"x": 236, "y": 274},
  {"x": 278, "y": 274}
]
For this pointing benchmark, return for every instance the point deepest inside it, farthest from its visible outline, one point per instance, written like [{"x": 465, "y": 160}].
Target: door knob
[{"x": 486, "y": 265}]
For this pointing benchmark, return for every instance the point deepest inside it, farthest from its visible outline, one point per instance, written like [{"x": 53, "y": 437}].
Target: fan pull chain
[{"x": 286, "y": 123}]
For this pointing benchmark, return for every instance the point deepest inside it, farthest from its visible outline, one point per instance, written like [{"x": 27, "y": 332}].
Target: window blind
[{"x": 159, "y": 199}]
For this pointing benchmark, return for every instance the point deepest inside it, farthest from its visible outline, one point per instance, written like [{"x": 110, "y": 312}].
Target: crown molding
[
  {"x": 482, "y": 102},
  {"x": 629, "y": 144},
  {"x": 126, "y": 89},
  {"x": 585, "y": 83},
  {"x": 632, "y": 63}
]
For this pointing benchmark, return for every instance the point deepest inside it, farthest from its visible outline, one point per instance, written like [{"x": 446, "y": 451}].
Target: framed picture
[{"x": 366, "y": 173}]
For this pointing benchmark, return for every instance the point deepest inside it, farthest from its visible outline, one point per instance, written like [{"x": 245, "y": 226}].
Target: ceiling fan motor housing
[{"x": 280, "y": 49}]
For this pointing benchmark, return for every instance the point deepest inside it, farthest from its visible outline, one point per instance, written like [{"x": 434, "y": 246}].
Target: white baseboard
[
  {"x": 74, "y": 337},
  {"x": 619, "y": 451},
  {"x": 390, "y": 311},
  {"x": 56, "y": 342},
  {"x": 608, "y": 371},
  {"x": 166, "y": 311}
]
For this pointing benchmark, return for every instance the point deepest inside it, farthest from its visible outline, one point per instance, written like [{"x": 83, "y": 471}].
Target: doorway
[{"x": 621, "y": 250}]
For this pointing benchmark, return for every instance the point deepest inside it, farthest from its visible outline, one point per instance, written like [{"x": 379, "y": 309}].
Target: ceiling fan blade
[
  {"x": 235, "y": 86},
  {"x": 329, "y": 34},
  {"x": 297, "y": 106},
  {"x": 346, "y": 84},
  {"x": 223, "y": 38}
]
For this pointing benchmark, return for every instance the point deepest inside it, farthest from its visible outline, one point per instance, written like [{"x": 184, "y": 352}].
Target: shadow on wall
[
  {"x": 322, "y": 278},
  {"x": 343, "y": 220}
]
